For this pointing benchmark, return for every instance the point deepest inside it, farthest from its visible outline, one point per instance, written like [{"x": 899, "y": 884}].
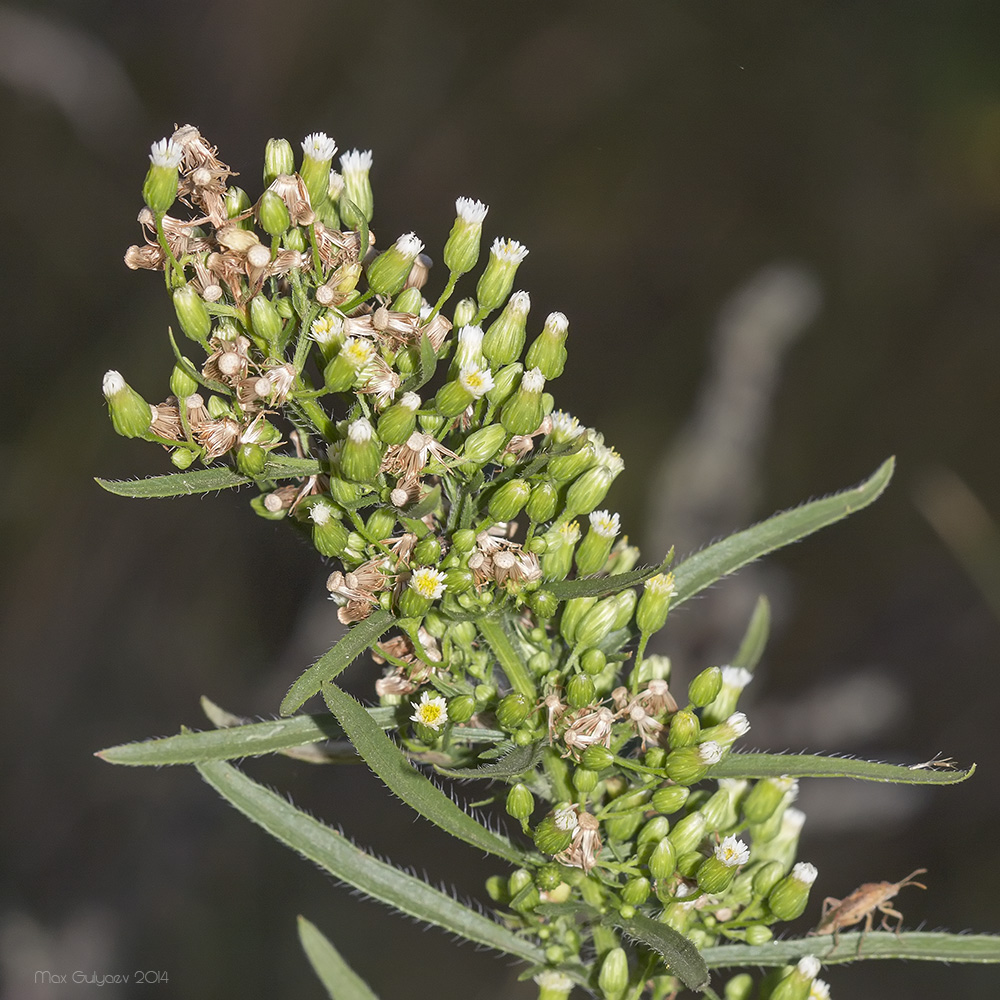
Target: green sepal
[{"x": 339, "y": 979}]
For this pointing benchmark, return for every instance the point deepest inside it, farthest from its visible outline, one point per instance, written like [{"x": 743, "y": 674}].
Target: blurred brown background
[{"x": 776, "y": 232}]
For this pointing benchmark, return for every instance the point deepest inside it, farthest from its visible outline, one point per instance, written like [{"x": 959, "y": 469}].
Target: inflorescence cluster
[{"x": 452, "y": 495}]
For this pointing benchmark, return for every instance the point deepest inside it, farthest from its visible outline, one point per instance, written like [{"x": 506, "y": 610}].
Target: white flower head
[
  {"x": 320, "y": 513},
  {"x": 360, "y": 432},
  {"x": 556, "y": 322},
  {"x": 608, "y": 458},
  {"x": 508, "y": 251},
  {"x": 738, "y": 724},
  {"x": 319, "y": 146},
  {"x": 354, "y": 161},
  {"x": 553, "y": 982},
  {"x": 565, "y": 426},
  {"x": 357, "y": 352},
  {"x": 327, "y": 328},
  {"x": 112, "y": 384},
  {"x": 809, "y": 966},
  {"x": 565, "y": 818},
  {"x": 569, "y": 532},
  {"x": 792, "y": 822},
  {"x": 469, "y": 348},
  {"x": 732, "y": 852},
  {"x": 335, "y": 186},
  {"x": 409, "y": 245},
  {"x": 166, "y": 153},
  {"x": 520, "y": 303},
  {"x": 533, "y": 380},
  {"x": 410, "y": 400},
  {"x": 709, "y": 752},
  {"x": 804, "y": 872},
  {"x": 428, "y": 582},
  {"x": 471, "y": 212},
  {"x": 476, "y": 381},
  {"x": 604, "y": 523},
  {"x": 736, "y": 677},
  {"x": 430, "y": 711},
  {"x": 662, "y": 585},
  {"x": 819, "y": 990}
]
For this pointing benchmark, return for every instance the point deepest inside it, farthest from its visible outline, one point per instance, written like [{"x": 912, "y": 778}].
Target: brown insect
[{"x": 861, "y": 905}]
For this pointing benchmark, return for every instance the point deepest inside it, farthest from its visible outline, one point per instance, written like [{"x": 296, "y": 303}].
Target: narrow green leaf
[
  {"x": 515, "y": 761},
  {"x": 710, "y": 564},
  {"x": 930, "y": 946},
  {"x": 681, "y": 956},
  {"x": 601, "y": 586},
  {"x": 337, "y": 659},
  {"x": 227, "y": 744},
  {"x": 176, "y": 484},
  {"x": 404, "y": 780},
  {"x": 802, "y": 765},
  {"x": 340, "y": 980},
  {"x": 337, "y": 855},
  {"x": 755, "y": 638}
]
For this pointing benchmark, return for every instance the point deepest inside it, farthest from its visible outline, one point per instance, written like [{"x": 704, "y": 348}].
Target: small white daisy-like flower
[
  {"x": 604, "y": 523},
  {"x": 520, "y": 303},
  {"x": 565, "y": 818},
  {"x": 112, "y": 384},
  {"x": 804, "y": 872},
  {"x": 569, "y": 532},
  {"x": 555, "y": 983},
  {"x": 319, "y": 146},
  {"x": 819, "y": 990},
  {"x": 354, "y": 161},
  {"x": 736, "y": 677},
  {"x": 476, "y": 381},
  {"x": 327, "y": 328},
  {"x": 709, "y": 752},
  {"x": 786, "y": 784},
  {"x": 409, "y": 245},
  {"x": 430, "y": 711},
  {"x": 320, "y": 513},
  {"x": 662, "y": 585},
  {"x": 360, "y": 432},
  {"x": 428, "y": 582},
  {"x": 732, "y": 852},
  {"x": 738, "y": 724},
  {"x": 335, "y": 186},
  {"x": 508, "y": 251},
  {"x": 565, "y": 426},
  {"x": 166, "y": 153},
  {"x": 469, "y": 349},
  {"x": 792, "y": 822},
  {"x": 410, "y": 400},
  {"x": 471, "y": 212},
  {"x": 557, "y": 323},
  {"x": 533, "y": 380},
  {"x": 809, "y": 966},
  {"x": 357, "y": 352}
]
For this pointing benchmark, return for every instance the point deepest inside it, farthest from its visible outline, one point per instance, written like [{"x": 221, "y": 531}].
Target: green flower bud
[
  {"x": 505, "y": 381},
  {"x": 734, "y": 680},
  {"x": 399, "y": 421},
  {"x": 766, "y": 877},
  {"x": 550, "y": 876},
  {"x": 159, "y": 190},
  {"x": 454, "y": 397},
  {"x": 182, "y": 384},
  {"x": 504, "y": 339},
  {"x": 597, "y": 757},
  {"x": 655, "y": 757},
  {"x": 684, "y": 729},
  {"x": 553, "y": 985},
  {"x": 766, "y": 796},
  {"x": 555, "y": 832},
  {"x": 689, "y": 863},
  {"x": 520, "y": 802},
  {"x": 717, "y": 872},
  {"x": 563, "y": 468},
  {"x": 544, "y": 603},
  {"x": 461, "y": 250},
  {"x": 130, "y": 413},
  {"x": 523, "y": 412},
  {"x": 796, "y": 985},
  {"x": 182, "y": 458},
  {"x": 463, "y": 540},
  {"x": 788, "y": 898},
  {"x": 655, "y": 603},
  {"x": 465, "y": 313},
  {"x": 542, "y": 503},
  {"x": 690, "y": 764},
  {"x": 548, "y": 352},
  {"x": 458, "y": 580},
  {"x": 317, "y": 155},
  {"x": 496, "y": 889},
  {"x": 613, "y": 977},
  {"x": 596, "y": 623},
  {"x": 250, "y": 459},
  {"x": 579, "y": 691},
  {"x": 573, "y": 611},
  {"x": 328, "y": 533},
  {"x": 462, "y": 708},
  {"x": 481, "y": 445},
  {"x": 218, "y": 408},
  {"x": 265, "y": 320},
  {"x": 278, "y": 159},
  {"x": 592, "y": 553},
  {"x": 272, "y": 213},
  {"x": 587, "y": 491},
  {"x": 720, "y": 811},
  {"x": 593, "y": 662},
  {"x": 585, "y": 780},
  {"x": 705, "y": 687},
  {"x": 739, "y": 987},
  {"x": 388, "y": 272},
  {"x": 624, "y": 608},
  {"x": 427, "y": 551},
  {"x": 508, "y": 499},
  {"x": 759, "y": 934},
  {"x": 558, "y": 558},
  {"x": 497, "y": 280},
  {"x": 622, "y": 826},
  {"x": 726, "y": 733},
  {"x": 362, "y": 454},
  {"x": 636, "y": 891},
  {"x": 670, "y": 798},
  {"x": 341, "y": 372},
  {"x": 344, "y": 491},
  {"x": 654, "y": 831},
  {"x": 380, "y": 524},
  {"x": 513, "y": 709},
  {"x": 355, "y": 166},
  {"x": 662, "y": 862},
  {"x": 192, "y": 314},
  {"x": 238, "y": 203}
]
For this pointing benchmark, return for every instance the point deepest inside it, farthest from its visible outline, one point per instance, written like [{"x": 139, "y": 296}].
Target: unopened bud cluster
[{"x": 418, "y": 446}]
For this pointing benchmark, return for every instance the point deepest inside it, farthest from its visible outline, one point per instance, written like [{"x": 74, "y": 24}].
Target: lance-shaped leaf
[
  {"x": 516, "y": 760},
  {"x": 337, "y": 855},
  {"x": 755, "y": 638},
  {"x": 602, "y": 586},
  {"x": 930, "y": 946},
  {"x": 681, "y": 956},
  {"x": 804, "y": 765},
  {"x": 703, "y": 568},
  {"x": 337, "y": 659},
  {"x": 340, "y": 980},
  {"x": 402, "y": 778}
]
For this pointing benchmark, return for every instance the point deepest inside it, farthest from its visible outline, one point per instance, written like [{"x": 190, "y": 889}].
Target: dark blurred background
[{"x": 776, "y": 232}]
